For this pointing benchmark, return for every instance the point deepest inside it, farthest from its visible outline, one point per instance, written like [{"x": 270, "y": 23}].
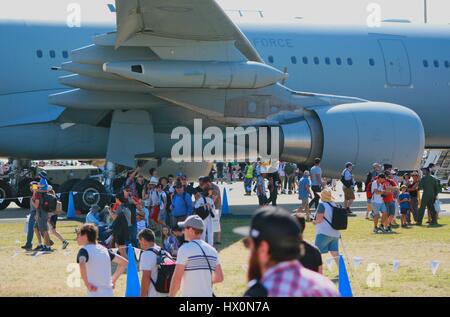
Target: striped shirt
[
  {"x": 197, "y": 278},
  {"x": 291, "y": 279}
]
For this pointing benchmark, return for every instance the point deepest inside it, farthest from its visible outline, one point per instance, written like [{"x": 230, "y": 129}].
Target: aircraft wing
[{"x": 197, "y": 20}]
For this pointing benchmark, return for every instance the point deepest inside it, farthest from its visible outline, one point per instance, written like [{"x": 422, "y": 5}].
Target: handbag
[{"x": 437, "y": 206}]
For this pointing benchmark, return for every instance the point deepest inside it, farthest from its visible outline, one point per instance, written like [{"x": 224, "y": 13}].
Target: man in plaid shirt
[{"x": 274, "y": 266}]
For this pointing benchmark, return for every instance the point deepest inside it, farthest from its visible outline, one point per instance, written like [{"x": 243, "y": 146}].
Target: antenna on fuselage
[{"x": 425, "y": 11}]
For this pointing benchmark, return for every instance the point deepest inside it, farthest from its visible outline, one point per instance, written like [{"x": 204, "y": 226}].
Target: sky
[{"x": 311, "y": 11}]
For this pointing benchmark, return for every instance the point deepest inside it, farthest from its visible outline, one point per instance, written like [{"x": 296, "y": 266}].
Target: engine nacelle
[{"x": 361, "y": 133}]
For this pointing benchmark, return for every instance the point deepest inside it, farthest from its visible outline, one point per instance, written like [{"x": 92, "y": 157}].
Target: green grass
[{"x": 415, "y": 248}]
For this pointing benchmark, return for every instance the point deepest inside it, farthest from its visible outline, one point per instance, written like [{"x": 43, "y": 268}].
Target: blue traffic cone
[
  {"x": 225, "y": 207},
  {"x": 71, "y": 207},
  {"x": 133, "y": 285},
  {"x": 344, "y": 283}
]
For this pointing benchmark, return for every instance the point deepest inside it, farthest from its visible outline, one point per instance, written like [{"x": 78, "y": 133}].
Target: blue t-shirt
[
  {"x": 404, "y": 205},
  {"x": 44, "y": 184},
  {"x": 303, "y": 193}
]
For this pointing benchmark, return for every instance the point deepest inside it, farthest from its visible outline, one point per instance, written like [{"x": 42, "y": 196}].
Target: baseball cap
[
  {"x": 349, "y": 164},
  {"x": 205, "y": 179},
  {"x": 274, "y": 225},
  {"x": 193, "y": 221}
]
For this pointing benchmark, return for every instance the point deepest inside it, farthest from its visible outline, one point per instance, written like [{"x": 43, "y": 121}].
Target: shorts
[
  {"x": 154, "y": 215},
  {"x": 378, "y": 208},
  {"x": 390, "y": 208},
  {"x": 41, "y": 222},
  {"x": 349, "y": 193},
  {"x": 220, "y": 175},
  {"x": 326, "y": 243},
  {"x": 53, "y": 220},
  {"x": 404, "y": 211}
]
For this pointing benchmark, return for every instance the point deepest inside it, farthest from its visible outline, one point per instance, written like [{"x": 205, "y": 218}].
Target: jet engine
[{"x": 361, "y": 133}]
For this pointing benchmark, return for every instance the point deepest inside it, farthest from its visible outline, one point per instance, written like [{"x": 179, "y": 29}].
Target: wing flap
[{"x": 200, "y": 20}]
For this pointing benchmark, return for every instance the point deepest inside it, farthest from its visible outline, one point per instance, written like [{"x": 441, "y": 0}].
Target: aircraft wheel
[
  {"x": 89, "y": 192},
  {"x": 5, "y": 192}
]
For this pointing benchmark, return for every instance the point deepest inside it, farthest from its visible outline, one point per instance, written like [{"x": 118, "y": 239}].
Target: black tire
[
  {"x": 89, "y": 192},
  {"x": 64, "y": 189},
  {"x": 118, "y": 183},
  {"x": 5, "y": 192}
]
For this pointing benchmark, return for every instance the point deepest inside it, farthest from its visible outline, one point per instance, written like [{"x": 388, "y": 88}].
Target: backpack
[
  {"x": 202, "y": 211},
  {"x": 49, "y": 203},
  {"x": 165, "y": 271},
  {"x": 346, "y": 183},
  {"x": 339, "y": 220},
  {"x": 369, "y": 193},
  {"x": 289, "y": 168}
]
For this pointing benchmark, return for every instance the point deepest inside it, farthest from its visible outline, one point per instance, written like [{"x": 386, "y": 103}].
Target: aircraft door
[{"x": 396, "y": 61}]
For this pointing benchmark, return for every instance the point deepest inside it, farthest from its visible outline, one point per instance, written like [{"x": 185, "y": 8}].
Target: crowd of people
[
  {"x": 173, "y": 223},
  {"x": 176, "y": 226},
  {"x": 158, "y": 203},
  {"x": 281, "y": 263},
  {"x": 390, "y": 195}
]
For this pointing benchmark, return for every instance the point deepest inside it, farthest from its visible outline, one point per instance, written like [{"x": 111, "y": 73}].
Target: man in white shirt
[
  {"x": 202, "y": 200},
  {"x": 198, "y": 266},
  {"x": 95, "y": 263},
  {"x": 148, "y": 264}
]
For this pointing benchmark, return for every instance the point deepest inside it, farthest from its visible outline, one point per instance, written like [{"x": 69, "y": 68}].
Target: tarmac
[{"x": 241, "y": 205}]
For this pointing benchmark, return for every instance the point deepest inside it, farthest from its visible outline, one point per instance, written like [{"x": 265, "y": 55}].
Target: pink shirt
[{"x": 291, "y": 279}]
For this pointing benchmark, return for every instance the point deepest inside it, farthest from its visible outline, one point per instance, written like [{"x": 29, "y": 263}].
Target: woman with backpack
[
  {"x": 327, "y": 238},
  {"x": 203, "y": 207}
]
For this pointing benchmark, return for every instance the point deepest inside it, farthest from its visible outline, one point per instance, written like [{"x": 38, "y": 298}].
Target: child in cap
[
  {"x": 404, "y": 200},
  {"x": 43, "y": 184}
]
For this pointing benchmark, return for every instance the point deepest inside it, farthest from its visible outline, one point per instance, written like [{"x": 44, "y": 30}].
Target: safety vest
[{"x": 249, "y": 171}]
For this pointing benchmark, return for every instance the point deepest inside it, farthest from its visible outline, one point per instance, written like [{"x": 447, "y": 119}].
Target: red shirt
[{"x": 389, "y": 197}]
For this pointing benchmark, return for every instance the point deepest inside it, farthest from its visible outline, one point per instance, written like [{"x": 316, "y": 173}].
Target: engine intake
[{"x": 362, "y": 133}]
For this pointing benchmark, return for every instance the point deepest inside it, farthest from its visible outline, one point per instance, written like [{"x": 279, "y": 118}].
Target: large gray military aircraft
[{"x": 115, "y": 88}]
